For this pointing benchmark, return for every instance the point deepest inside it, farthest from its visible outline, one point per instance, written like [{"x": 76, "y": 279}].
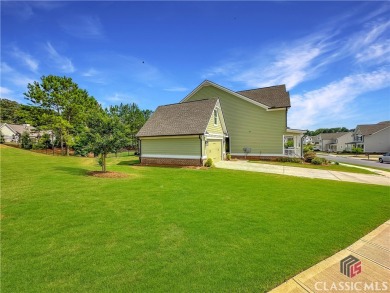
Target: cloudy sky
[{"x": 334, "y": 57}]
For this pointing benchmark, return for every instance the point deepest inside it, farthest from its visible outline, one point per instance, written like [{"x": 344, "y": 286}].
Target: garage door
[{"x": 213, "y": 150}]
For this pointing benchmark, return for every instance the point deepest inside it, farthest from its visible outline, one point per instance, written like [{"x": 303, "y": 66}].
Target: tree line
[
  {"x": 328, "y": 130},
  {"x": 75, "y": 118}
]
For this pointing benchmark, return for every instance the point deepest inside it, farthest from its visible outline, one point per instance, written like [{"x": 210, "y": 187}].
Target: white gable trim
[{"x": 210, "y": 83}]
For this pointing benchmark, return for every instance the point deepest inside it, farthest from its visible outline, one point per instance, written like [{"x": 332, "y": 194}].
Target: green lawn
[
  {"x": 331, "y": 167},
  {"x": 169, "y": 229}
]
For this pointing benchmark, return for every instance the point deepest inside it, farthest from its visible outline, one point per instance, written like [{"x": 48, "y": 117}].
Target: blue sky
[{"x": 334, "y": 57}]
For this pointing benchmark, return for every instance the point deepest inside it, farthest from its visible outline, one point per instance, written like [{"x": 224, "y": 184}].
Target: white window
[{"x": 215, "y": 117}]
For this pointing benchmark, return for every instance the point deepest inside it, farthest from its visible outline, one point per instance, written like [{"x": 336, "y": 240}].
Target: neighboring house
[
  {"x": 13, "y": 132},
  {"x": 256, "y": 121},
  {"x": 308, "y": 140},
  {"x": 184, "y": 134},
  {"x": 332, "y": 142},
  {"x": 372, "y": 138}
]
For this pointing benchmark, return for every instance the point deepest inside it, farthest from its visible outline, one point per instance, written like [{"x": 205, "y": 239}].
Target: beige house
[
  {"x": 13, "y": 132},
  {"x": 254, "y": 125},
  {"x": 372, "y": 138},
  {"x": 184, "y": 134},
  {"x": 332, "y": 142}
]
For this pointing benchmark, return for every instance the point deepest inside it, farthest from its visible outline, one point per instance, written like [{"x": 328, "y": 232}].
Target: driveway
[
  {"x": 382, "y": 178},
  {"x": 354, "y": 161}
]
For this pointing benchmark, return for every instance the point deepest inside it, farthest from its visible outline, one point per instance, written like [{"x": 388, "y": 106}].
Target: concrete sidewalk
[
  {"x": 373, "y": 250},
  {"x": 383, "y": 177}
]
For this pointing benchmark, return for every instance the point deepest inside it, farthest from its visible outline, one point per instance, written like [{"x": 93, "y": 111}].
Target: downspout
[
  {"x": 139, "y": 150},
  {"x": 201, "y": 148}
]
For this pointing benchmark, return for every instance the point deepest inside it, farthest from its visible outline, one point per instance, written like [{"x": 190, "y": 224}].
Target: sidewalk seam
[{"x": 383, "y": 266}]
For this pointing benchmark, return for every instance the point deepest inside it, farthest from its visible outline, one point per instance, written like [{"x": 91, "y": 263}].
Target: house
[
  {"x": 13, "y": 132},
  {"x": 332, "y": 142},
  {"x": 255, "y": 122},
  {"x": 184, "y": 134},
  {"x": 372, "y": 138}
]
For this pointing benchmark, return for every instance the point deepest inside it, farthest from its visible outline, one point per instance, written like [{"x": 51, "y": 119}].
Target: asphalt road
[{"x": 364, "y": 163}]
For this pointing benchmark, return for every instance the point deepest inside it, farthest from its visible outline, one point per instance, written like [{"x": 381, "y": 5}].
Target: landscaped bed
[{"x": 169, "y": 229}]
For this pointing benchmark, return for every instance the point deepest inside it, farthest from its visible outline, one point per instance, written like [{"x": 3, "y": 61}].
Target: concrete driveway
[{"x": 382, "y": 177}]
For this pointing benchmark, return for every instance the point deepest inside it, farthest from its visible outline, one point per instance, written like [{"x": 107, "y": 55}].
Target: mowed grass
[{"x": 169, "y": 229}]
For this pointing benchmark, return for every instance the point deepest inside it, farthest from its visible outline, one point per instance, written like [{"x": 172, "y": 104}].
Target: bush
[
  {"x": 209, "y": 163},
  {"x": 228, "y": 157},
  {"x": 317, "y": 161},
  {"x": 307, "y": 148},
  {"x": 357, "y": 150},
  {"x": 289, "y": 159},
  {"x": 310, "y": 155},
  {"x": 2, "y": 140},
  {"x": 25, "y": 141}
]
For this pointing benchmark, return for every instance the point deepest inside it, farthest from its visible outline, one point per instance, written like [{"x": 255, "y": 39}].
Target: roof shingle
[
  {"x": 179, "y": 119},
  {"x": 273, "y": 96},
  {"x": 368, "y": 129}
]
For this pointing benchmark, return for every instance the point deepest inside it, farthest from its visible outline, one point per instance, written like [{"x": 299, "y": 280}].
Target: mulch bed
[{"x": 108, "y": 174}]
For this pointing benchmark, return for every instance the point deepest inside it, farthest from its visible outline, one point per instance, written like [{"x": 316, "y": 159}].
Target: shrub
[
  {"x": 357, "y": 150},
  {"x": 289, "y": 159},
  {"x": 336, "y": 163},
  {"x": 209, "y": 163},
  {"x": 307, "y": 148},
  {"x": 25, "y": 141},
  {"x": 317, "y": 161},
  {"x": 228, "y": 157},
  {"x": 2, "y": 140},
  {"x": 310, "y": 155}
]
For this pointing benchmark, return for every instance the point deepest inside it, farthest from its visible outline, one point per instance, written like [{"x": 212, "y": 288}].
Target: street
[{"x": 346, "y": 160}]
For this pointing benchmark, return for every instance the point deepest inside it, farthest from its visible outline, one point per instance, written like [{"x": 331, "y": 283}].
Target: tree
[
  {"x": 66, "y": 106},
  {"x": 2, "y": 140},
  {"x": 103, "y": 134},
  {"x": 25, "y": 140},
  {"x": 8, "y": 110}
]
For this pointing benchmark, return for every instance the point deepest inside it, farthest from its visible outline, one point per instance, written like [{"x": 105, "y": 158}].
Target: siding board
[
  {"x": 248, "y": 125},
  {"x": 172, "y": 146}
]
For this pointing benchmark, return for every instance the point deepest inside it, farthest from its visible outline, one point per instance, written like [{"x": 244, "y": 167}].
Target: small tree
[
  {"x": 25, "y": 140},
  {"x": 104, "y": 134},
  {"x": 2, "y": 140}
]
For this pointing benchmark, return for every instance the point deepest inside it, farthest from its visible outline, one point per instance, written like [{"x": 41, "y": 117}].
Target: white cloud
[
  {"x": 26, "y": 59},
  {"x": 293, "y": 62},
  {"x": 62, "y": 62},
  {"x": 334, "y": 101},
  {"x": 90, "y": 72},
  {"x": 13, "y": 76},
  {"x": 176, "y": 89},
  {"x": 5, "y": 92},
  {"x": 83, "y": 26}
]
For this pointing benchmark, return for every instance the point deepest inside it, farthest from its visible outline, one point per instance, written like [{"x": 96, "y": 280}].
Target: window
[{"x": 215, "y": 117}]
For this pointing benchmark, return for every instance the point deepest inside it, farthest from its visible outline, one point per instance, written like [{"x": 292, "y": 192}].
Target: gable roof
[
  {"x": 179, "y": 119},
  {"x": 268, "y": 98},
  {"x": 368, "y": 129},
  {"x": 18, "y": 128},
  {"x": 273, "y": 96}
]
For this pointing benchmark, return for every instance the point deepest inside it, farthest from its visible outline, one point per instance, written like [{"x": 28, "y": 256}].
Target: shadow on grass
[
  {"x": 73, "y": 170},
  {"x": 128, "y": 163}
]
